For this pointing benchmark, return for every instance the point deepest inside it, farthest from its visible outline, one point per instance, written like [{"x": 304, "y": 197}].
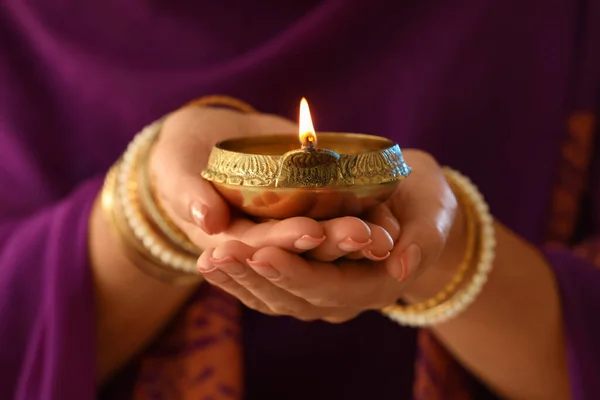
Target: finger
[
  {"x": 346, "y": 284},
  {"x": 208, "y": 267},
  {"x": 227, "y": 259},
  {"x": 294, "y": 234},
  {"x": 404, "y": 264},
  {"x": 179, "y": 156},
  {"x": 297, "y": 234},
  {"x": 380, "y": 247},
  {"x": 382, "y": 216},
  {"x": 190, "y": 199},
  {"x": 200, "y": 204},
  {"x": 343, "y": 235}
]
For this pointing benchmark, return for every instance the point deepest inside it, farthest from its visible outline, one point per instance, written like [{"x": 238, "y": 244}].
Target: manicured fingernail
[
  {"x": 349, "y": 245},
  {"x": 264, "y": 269},
  {"x": 198, "y": 212},
  {"x": 308, "y": 242},
  {"x": 409, "y": 260},
  {"x": 368, "y": 254}
]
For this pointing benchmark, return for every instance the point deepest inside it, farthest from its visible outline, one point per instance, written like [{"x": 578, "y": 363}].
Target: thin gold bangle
[
  {"x": 107, "y": 198},
  {"x": 221, "y": 101}
]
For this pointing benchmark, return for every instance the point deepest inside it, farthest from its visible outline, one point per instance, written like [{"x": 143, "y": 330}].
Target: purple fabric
[
  {"x": 579, "y": 284},
  {"x": 486, "y": 86},
  {"x": 46, "y": 306}
]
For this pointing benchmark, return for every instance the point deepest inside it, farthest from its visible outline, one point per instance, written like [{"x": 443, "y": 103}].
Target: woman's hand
[
  {"x": 178, "y": 159},
  {"x": 273, "y": 280},
  {"x": 124, "y": 322}
]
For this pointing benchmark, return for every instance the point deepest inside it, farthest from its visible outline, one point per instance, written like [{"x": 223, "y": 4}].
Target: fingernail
[
  {"x": 368, "y": 254},
  {"x": 409, "y": 260},
  {"x": 308, "y": 242},
  {"x": 264, "y": 269},
  {"x": 349, "y": 245},
  {"x": 229, "y": 265},
  {"x": 198, "y": 212}
]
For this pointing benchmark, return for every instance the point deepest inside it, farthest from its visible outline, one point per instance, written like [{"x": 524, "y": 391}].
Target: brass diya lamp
[{"x": 329, "y": 175}]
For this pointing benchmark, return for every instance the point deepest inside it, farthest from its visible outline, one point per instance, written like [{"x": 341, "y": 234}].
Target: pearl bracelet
[
  {"x": 151, "y": 205},
  {"x": 464, "y": 296},
  {"x": 127, "y": 193},
  {"x": 150, "y": 239}
]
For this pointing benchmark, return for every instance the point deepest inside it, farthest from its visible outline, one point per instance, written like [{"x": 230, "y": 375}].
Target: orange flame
[{"x": 306, "y": 133}]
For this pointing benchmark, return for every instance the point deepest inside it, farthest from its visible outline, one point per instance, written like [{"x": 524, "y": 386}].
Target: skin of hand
[
  {"x": 180, "y": 155},
  {"x": 423, "y": 229},
  {"x": 124, "y": 321},
  {"x": 511, "y": 338},
  {"x": 311, "y": 270},
  {"x": 323, "y": 284}
]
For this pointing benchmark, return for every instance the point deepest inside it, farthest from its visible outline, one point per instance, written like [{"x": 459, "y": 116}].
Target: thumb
[
  {"x": 196, "y": 201},
  {"x": 177, "y": 161},
  {"x": 425, "y": 207},
  {"x": 182, "y": 151}
]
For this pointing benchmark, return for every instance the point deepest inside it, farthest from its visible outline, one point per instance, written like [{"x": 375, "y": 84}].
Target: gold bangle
[
  {"x": 107, "y": 198},
  {"x": 150, "y": 239},
  {"x": 221, "y": 101},
  {"x": 146, "y": 247},
  {"x": 131, "y": 246},
  {"x": 166, "y": 254}
]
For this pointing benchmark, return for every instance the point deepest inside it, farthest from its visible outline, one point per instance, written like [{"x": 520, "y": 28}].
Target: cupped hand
[
  {"x": 181, "y": 153},
  {"x": 273, "y": 280}
]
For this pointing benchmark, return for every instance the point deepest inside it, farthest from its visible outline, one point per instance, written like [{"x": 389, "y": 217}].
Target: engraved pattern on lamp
[{"x": 293, "y": 168}]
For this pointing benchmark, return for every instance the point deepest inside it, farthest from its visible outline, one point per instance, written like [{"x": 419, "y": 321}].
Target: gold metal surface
[{"x": 270, "y": 177}]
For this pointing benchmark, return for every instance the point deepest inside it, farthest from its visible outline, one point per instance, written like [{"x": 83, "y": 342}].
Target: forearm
[
  {"x": 131, "y": 307},
  {"x": 511, "y": 337}
]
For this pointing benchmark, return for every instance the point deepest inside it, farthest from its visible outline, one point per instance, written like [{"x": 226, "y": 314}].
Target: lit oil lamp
[{"x": 330, "y": 175}]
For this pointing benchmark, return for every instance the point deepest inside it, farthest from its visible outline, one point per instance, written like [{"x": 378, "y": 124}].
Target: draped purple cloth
[{"x": 487, "y": 86}]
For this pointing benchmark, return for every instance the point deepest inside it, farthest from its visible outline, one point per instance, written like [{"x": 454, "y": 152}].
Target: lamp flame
[{"x": 306, "y": 133}]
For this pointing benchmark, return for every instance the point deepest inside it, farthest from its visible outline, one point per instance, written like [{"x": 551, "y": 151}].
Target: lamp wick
[{"x": 309, "y": 141}]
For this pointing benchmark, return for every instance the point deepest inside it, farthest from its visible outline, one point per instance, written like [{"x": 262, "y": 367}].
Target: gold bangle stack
[
  {"x": 150, "y": 239},
  {"x": 473, "y": 271},
  {"x": 145, "y": 244},
  {"x": 153, "y": 208}
]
